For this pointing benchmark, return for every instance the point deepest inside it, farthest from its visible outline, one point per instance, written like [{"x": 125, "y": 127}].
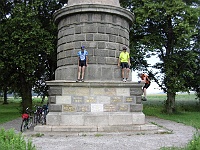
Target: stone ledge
[{"x": 109, "y": 129}]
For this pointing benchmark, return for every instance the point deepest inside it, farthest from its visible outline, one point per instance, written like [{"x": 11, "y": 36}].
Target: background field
[{"x": 188, "y": 108}]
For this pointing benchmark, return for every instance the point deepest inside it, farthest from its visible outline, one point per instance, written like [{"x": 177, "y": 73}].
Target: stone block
[
  {"x": 136, "y": 108},
  {"x": 136, "y": 91},
  {"x": 102, "y": 29},
  {"x": 55, "y": 108},
  {"x": 103, "y": 99},
  {"x": 120, "y": 119},
  {"x": 69, "y": 38},
  {"x": 53, "y": 118},
  {"x": 96, "y": 17},
  {"x": 63, "y": 99},
  {"x": 111, "y": 61},
  {"x": 96, "y": 120},
  {"x": 55, "y": 91},
  {"x": 89, "y": 37},
  {"x": 41, "y": 128},
  {"x": 89, "y": 29},
  {"x": 101, "y": 53},
  {"x": 78, "y": 29},
  {"x": 100, "y": 37},
  {"x": 101, "y": 60},
  {"x": 138, "y": 118},
  {"x": 72, "y": 120},
  {"x": 112, "y": 38},
  {"x": 52, "y": 99},
  {"x": 123, "y": 92},
  {"x": 80, "y": 37}
]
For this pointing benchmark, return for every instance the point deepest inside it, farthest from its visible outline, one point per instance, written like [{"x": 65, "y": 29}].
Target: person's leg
[
  {"x": 79, "y": 72},
  {"x": 145, "y": 92},
  {"x": 123, "y": 70},
  {"x": 127, "y": 73},
  {"x": 82, "y": 72}
]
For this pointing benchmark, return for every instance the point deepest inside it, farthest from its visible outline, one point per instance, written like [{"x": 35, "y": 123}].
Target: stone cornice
[{"x": 69, "y": 10}]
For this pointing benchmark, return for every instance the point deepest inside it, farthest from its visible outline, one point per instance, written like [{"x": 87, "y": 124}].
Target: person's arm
[
  {"x": 86, "y": 60},
  {"x": 119, "y": 62},
  {"x": 129, "y": 62}
]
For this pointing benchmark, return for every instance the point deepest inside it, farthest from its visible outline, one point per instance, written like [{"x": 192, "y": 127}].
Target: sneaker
[
  {"x": 82, "y": 80},
  {"x": 78, "y": 80},
  {"x": 124, "y": 80},
  {"x": 144, "y": 99}
]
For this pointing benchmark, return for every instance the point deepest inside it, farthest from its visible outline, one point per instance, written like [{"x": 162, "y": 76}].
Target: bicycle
[
  {"x": 27, "y": 120},
  {"x": 40, "y": 114}
]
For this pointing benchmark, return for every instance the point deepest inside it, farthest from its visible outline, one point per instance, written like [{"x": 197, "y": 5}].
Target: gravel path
[{"x": 179, "y": 136}]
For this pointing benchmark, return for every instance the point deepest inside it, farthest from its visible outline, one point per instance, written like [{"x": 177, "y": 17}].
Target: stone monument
[{"x": 103, "y": 103}]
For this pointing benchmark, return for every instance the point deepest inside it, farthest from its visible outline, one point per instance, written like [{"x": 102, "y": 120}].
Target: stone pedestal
[{"x": 95, "y": 107}]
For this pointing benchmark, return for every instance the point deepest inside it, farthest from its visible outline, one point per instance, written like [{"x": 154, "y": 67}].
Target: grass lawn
[
  {"x": 188, "y": 109},
  {"x": 187, "y": 105},
  {"x": 11, "y": 111}
]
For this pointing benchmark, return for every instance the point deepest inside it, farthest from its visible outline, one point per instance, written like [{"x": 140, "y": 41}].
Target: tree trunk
[
  {"x": 170, "y": 103},
  {"x": 5, "y": 98},
  {"x": 26, "y": 94}
]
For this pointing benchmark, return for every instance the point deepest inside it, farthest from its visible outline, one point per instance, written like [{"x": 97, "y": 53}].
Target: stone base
[
  {"x": 95, "y": 129},
  {"x": 95, "y": 122},
  {"x": 94, "y": 107}
]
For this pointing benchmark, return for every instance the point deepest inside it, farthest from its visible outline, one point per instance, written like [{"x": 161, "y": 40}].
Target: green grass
[
  {"x": 11, "y": 111},
  {"x": 188, "y": 109}
]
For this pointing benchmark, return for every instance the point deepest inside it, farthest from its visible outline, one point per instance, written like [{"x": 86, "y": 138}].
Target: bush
[{"x": 9, "y": 140}]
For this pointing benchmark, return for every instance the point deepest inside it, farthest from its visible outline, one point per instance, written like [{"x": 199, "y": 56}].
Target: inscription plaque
[
  {"x": 90, "y": 100},
  {"x": 109, "y": 108},
  {"x": 123, "y": 108},
  {"x": 69, "y": 108},
  {"x": 83, "y": 108},
  {"x": 116, "y": 100},
  {"x": 96, "y": 107},
  {"x": 77, "y": 100},
  {"x": 129, "y": 99}
]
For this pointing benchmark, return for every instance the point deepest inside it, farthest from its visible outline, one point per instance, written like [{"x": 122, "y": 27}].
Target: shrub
[{"x": 11, "y": 141}]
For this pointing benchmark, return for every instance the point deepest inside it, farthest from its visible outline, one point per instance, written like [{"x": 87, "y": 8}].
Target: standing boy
[
  {"x": 124, "y": 62},
  {"x": 82, "y": 63}
]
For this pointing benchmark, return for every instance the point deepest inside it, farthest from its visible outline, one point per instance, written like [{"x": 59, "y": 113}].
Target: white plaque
[{"x": 96, "y": 107}]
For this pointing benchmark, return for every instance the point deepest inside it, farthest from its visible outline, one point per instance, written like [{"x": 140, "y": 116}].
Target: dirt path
[{"x": 179, "y": 137}]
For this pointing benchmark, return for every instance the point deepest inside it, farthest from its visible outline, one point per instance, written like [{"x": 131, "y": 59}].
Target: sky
[{"x": 153, "y": 88}]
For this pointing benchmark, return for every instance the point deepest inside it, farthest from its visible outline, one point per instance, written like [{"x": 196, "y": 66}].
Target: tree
[
  {"x": 24, "y": 41},
  {"x": 166, "y": 29}
]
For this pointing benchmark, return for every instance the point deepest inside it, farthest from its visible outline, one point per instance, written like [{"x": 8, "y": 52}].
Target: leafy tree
[
  {"x": 24, "y": 42},
  {"x": 166, "y": 29}
]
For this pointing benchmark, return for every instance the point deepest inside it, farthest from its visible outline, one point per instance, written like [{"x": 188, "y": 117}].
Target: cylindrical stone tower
[{"x": 102, "y": 26}]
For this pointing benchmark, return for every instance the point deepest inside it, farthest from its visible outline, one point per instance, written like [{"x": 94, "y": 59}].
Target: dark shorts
[
  {"x": 146, "y": 85},
  {"x": 124, "y": 65},
  {"x": 82, "y": 63}
]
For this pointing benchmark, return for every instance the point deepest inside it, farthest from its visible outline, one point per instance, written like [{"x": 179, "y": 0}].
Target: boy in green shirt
[{"x": 124, "y": 62}]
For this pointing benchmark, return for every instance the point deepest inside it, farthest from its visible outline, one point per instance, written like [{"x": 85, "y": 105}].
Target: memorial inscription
[{"x": 68, "y": 108}]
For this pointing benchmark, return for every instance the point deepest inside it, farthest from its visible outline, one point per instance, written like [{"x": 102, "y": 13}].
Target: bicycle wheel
[
  {"x": 24, "y": 125},
  {"x": 30, "y": 122},
  {"x": 42, "y": 119}
]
